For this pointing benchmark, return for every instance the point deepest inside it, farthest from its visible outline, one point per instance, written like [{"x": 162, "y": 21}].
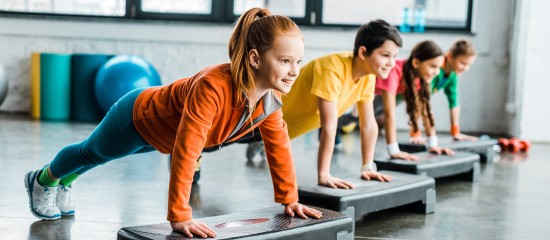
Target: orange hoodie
[{"x": 193, "y": 113}]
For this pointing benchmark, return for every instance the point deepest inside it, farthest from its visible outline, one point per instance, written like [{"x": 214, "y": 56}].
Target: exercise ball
[
  {"x": 121, "y": 75},
  {"x": 3, "y": 85}
]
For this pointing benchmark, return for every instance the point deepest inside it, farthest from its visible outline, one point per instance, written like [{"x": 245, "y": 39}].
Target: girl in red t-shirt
[{"x": 410, "y": 80}]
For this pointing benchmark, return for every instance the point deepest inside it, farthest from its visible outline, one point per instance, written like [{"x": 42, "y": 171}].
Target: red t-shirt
[{"x": 394, "y": 83}]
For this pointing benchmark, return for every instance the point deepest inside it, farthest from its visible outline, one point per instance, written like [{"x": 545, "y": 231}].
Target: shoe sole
[
  {"x": 29, "y": 186},
  {"x": 70, "y": 213}
]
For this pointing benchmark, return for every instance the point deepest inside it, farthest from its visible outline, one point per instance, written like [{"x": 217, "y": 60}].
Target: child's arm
[
  {"x": 369, "y": 133},
  {"x": 455, "y": 129},
  {"x": 279, "y": 156},
  {"x": 432, "y": 143},
  {"x": 329, "y": 121},
  {"x": 388, "y": 100},
  {"x": 451, "y": 91},
  {"x": 416, "y": 137},
  {"x": 198, "y": 113}
]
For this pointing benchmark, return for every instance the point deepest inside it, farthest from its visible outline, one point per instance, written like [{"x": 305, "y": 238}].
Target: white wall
[
  {"x": 530, "y": 115},
  {"x": 178, "y": 50}
]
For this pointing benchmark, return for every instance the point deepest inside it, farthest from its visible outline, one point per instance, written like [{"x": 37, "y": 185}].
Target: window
[
  {"x": 447, "y": 13},
  {"x": 177, "y": 6},
  {"x": 290, "y": 8},
  {"x": 438, "y": 14},
  {"x": 295, "y": 9},
  {"x": 67, "y": 7}
]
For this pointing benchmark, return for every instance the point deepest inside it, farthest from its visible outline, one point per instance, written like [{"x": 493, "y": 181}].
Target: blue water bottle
[
  {"x": 405, "y": 25},
  {"x": 419, "y": 19}
]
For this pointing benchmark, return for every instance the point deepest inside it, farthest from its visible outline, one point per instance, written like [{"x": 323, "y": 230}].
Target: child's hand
[
  {"x": 440, "y": 150},
  {"x": 193, "y": 228},
  {"x": 333, "y": 182},
  {"x": 302, "y": 211},
  {"x": 372, "y": 175},
  {"x": 405, "y": 156},
  {"x": 418, "y": 140},
  {"x": 464, "y": 137}
]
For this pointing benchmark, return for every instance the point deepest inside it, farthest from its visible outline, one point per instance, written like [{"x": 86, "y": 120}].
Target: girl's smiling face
[
  {"x": 279, "y": 66},
  {"x": 428, "y": 69},
  {"x": 461, "y": 63}
]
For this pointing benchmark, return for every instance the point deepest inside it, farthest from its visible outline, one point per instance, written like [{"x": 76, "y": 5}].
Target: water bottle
[
  {"x": 405, "y": 25},
  {"x": 419, "y": 19}
]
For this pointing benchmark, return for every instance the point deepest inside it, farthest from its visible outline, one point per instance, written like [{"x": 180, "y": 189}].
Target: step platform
[
  {"x": 269, "y": 223},
  {"x": 416, "y": 192},
  {"x": 485, "y": 147},
  {"x": 463, "y": 164}
]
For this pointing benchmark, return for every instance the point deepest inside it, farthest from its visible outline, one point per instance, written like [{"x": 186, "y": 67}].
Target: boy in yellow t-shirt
[{"x": 329, "y": 85}]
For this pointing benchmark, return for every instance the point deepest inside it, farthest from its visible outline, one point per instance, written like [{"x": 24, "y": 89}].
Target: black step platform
[
  {"x": 269, "y": 223},
  {"x": 463, "y": 164},
  {"x": 418, "y": 192},
  {"x": 484, "y": 147}
]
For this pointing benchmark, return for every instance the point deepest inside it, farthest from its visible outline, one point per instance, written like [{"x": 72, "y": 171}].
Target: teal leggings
[{"x": 113, "y": 138}]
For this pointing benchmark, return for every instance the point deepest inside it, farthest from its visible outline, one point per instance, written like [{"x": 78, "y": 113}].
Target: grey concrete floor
[{"x": 511, "y": 200}]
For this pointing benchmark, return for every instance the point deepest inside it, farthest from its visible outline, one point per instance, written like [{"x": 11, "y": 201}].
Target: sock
[
  {"x": 45, "y": 180},
  {"x": 69, "y": 179}
]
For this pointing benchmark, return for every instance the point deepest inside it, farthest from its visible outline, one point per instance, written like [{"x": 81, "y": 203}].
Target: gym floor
[{"x": 511, "y": 200}]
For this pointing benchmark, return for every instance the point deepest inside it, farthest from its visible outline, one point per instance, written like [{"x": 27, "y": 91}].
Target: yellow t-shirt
[{"x": 327, "y": 77}]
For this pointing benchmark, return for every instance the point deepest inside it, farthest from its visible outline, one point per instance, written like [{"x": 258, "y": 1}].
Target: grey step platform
[
  {"x": 269, "y": 223},
  {"x": 486, "y": 148},
  {"x": 417, "y": 192},
  {"x": 463, "y": 164}
]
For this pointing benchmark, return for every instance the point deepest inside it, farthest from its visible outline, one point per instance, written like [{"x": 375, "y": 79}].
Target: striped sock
[
  {"x": 45, "y": 180},
  {"x": 69, "y": 179}
]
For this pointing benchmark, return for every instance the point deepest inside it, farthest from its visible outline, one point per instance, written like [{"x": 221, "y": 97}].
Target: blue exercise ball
[
  {"x": 121, "y": 75},
  {"x": 3, "y": 85}
]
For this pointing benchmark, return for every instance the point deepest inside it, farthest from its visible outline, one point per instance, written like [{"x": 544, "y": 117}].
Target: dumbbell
[
  {"x": 514, "y": 144},
  {"x": 525, "y": 145}
]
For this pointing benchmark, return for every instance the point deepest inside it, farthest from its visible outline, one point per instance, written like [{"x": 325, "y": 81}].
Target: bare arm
[
  {"x": 329, "y": 121},
  {"x": 455, "y": 116},
  {"x": 455, "y": 129},
  {"x": 388, "y": 100},
  {"x": 433, "y": 145},
  {"x": 369, "y": 135},
  {"x": 430, "y": 130},
  {"x": 368, "y": 131}
]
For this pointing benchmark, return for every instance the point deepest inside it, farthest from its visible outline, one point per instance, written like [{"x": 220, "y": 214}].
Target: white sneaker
[
  {"x": 64, "y": 201},
  {"x": 255, "y": 148},
  {"x": 41, "y": 198}
]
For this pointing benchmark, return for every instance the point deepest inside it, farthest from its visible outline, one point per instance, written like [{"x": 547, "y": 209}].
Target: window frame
[
  {"x": 231, "y": 17},
  {"x": 216, "y": 13},
  {"x": 64, "y": 16},
  {"x": 222, "y": 13},
  {"x": 467, "y": 28}
]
